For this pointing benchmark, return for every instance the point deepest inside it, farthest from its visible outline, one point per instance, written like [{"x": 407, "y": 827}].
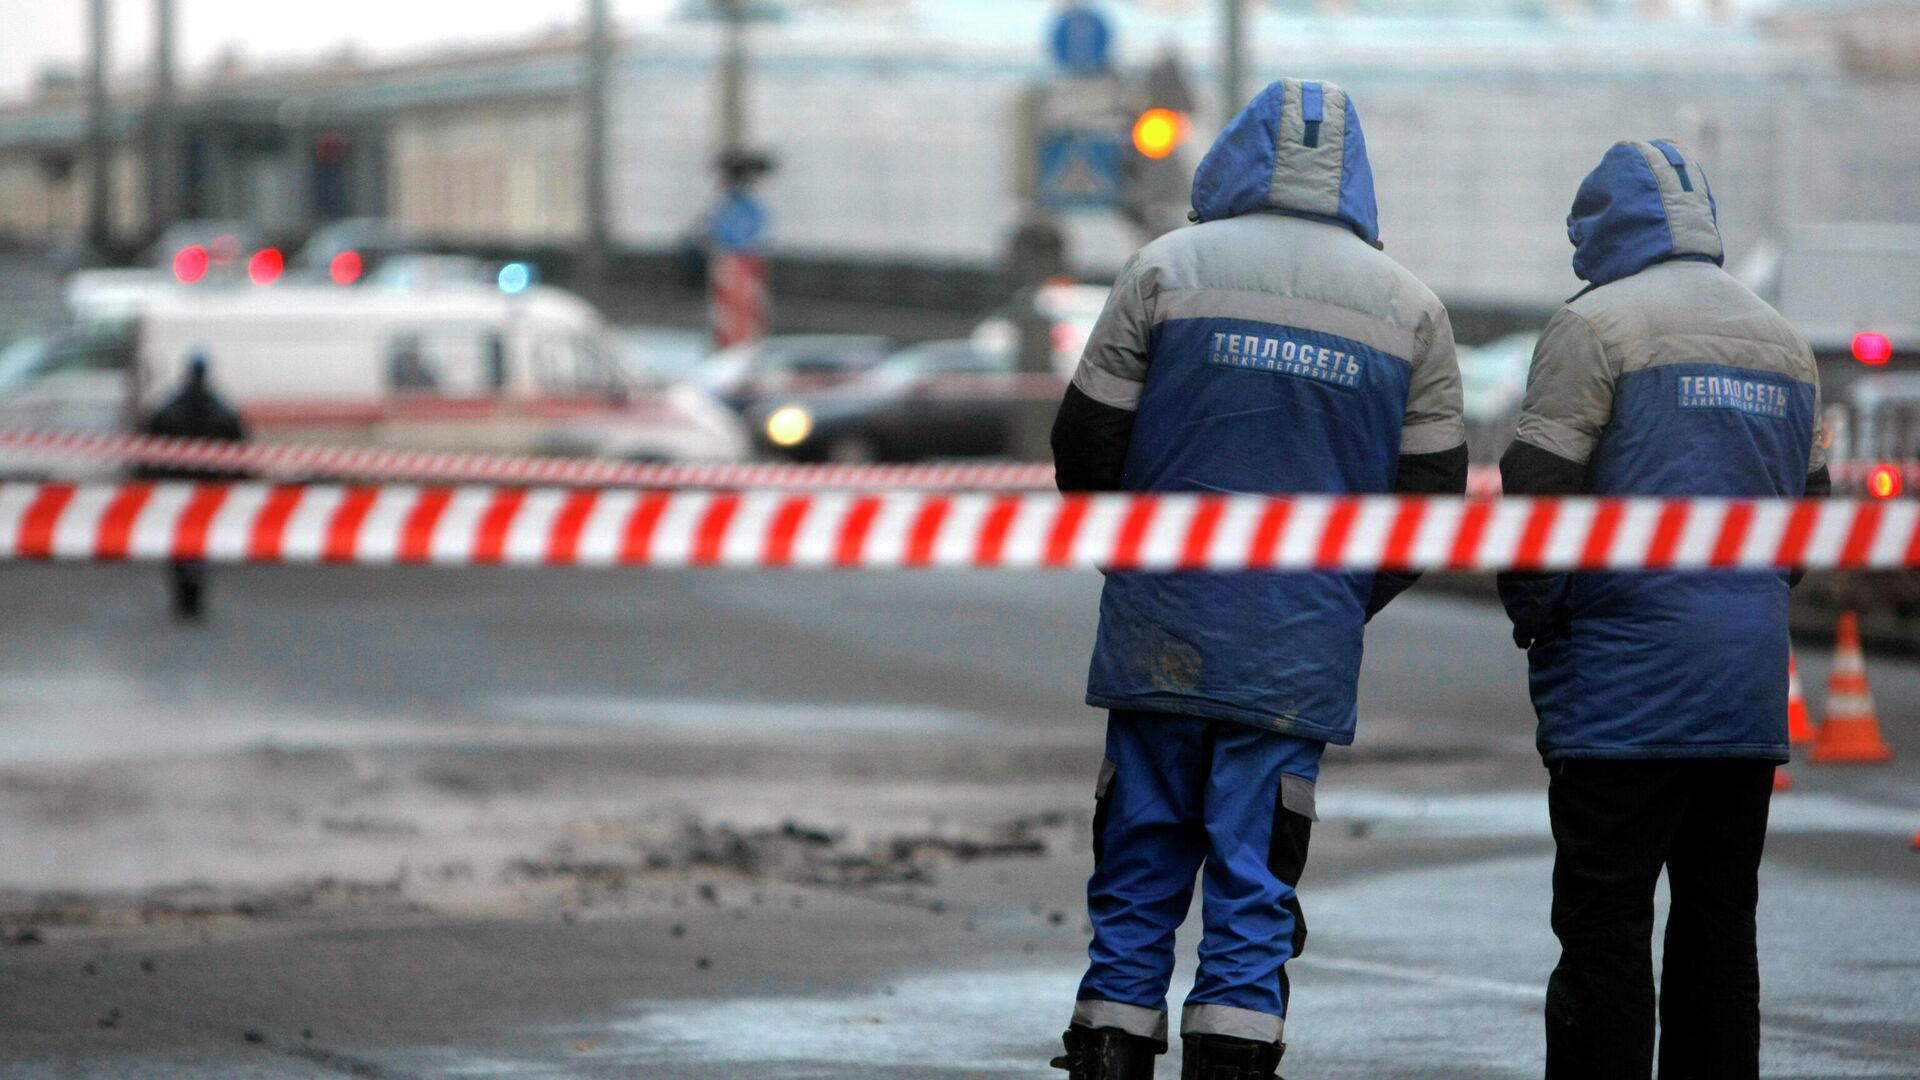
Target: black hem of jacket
[
  {"x": 1765, "y": 753},
  {"x": 1202, "y": 709}
]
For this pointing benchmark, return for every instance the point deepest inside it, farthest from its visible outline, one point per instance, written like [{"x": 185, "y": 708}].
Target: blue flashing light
[{"x": 515, "y": 278}]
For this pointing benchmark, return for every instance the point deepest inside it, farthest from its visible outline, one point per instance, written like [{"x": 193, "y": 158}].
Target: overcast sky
[{"x": 38, "y": 33}]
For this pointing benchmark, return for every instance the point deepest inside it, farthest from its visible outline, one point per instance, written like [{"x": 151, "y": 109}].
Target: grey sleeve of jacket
[
  {"x": 1817, "y": 455},
  {"x": 1113, "y": 369},
  {"x": 1435, "y": 418},
  {"x": 1569, "y": 390}
]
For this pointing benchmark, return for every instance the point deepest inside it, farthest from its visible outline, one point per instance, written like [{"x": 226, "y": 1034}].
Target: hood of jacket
[
  {"x": 1646, "y": 203},
  {"x": 1296, "y": 149}
]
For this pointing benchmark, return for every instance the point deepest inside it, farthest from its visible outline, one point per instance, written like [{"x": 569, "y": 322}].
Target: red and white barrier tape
[
  {"x": 296, "y": 460},
  {"x": 263, "y": 523},
  {"x": 292, "y": 460}
]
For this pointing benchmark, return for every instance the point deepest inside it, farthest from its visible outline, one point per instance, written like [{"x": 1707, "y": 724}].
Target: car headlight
[{"x": 789, "y": 425}]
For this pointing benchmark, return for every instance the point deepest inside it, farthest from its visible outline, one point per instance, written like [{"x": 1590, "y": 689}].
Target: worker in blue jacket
[
  {"x": 1662, "y": 697},
  {"x": 1271, "y": 347}
]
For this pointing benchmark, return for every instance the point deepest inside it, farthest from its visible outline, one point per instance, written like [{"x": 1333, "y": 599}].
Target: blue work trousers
[{"x": 1181, "y": 796}]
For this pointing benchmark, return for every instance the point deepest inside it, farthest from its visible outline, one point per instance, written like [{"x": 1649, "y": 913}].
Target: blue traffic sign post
[
  {"x": 737, "y": 271},
  {"x": 1082, "y": 41},
  {"x": 1079, "y": 153},
  {"x": 740, "y": 223},
  {"x": 1081, "y": 171},
  {"x": 1077, "y": 164}
]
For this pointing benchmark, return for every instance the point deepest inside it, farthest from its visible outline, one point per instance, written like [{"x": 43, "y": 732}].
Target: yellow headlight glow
[{"x": 789, "y": 426}]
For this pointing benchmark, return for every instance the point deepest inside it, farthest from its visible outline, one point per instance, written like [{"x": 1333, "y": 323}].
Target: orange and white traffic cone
[
  {"x": 1851, "y": 730},
  {"x": 1799, "y": 724}
]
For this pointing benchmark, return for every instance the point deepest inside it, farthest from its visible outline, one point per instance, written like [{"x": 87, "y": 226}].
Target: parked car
[
  {"x": 346, "y": 252},
  {"x": 655, "y": 355},
  {"x": 1070, "y": 310},
  {"x": 943, "y": 399},
  {"x": 746, "y": 375},
  {"x": 214, "y": 252},
  {"x": 77, "y": 380},
  {"x": 420, "y": 273},
  {"x": 206, "y": 255}
]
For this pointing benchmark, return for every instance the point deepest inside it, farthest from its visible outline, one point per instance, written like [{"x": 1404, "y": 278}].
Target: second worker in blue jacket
[
  {"x": 1272, "y": 347},
  {"x": 1662, "y": 697}
]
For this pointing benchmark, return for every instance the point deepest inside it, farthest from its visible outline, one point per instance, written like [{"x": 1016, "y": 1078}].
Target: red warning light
[
  {"x": 1885, "y": 481},
  {"x": 190, "y": 264},
  {"x": 265, "y": 266},
  {"x": 1872, "y": 348},
  {"x": 345, "y": 268}
]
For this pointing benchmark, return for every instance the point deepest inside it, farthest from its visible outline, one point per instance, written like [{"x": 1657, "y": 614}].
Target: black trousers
[
  {"x": 187, "y": 582},
  {"x": 1616, "y": 824}
]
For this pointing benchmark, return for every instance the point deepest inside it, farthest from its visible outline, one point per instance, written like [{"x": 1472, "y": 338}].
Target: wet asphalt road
[{"x": 334, "y": 725}]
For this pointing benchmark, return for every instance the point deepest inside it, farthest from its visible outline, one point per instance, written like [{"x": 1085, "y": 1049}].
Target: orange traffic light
[
  {"x": 1159, "y": 132},
  {"x": 1884, "y": 481},
  {"x": 1872, "y": 348}
]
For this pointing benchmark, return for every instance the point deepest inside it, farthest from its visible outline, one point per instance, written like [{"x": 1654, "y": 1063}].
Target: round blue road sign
[
  {"x": 1082, "y": 41},
  {"x": 740, "y": 224}
]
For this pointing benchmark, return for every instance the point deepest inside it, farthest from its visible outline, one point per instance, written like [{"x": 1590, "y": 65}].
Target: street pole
[
  {"x": 163, "y": 177},
  {"x": 733, "y": 81},
  {"x": 1233, "y": 57},
  {"x": 598, "y": 60},
  {"x": 99, "y": 141}
]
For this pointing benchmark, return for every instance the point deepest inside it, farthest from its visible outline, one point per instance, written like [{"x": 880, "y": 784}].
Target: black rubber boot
[
  {"x": 1217, "y": 1057},
  {"x": 1107, "y": 1054}
]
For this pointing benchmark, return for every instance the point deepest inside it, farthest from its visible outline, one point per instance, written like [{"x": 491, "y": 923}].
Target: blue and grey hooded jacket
[
  {"x": 1270, "y": 348},
  {"x": 1666, "y": 377}
]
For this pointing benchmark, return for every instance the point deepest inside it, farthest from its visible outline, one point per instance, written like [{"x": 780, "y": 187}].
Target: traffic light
[
  {"x": 1872, "y": 349},
  {"x": 1159, "y": 132},
  {"x": 1159, "y": 176}
]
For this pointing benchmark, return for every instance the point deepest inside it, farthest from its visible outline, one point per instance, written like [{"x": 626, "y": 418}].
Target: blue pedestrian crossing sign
[
  {"x": 1082, "y": 41},
  {"x": 1081, "y": 171},
  {"x": 740, "y": 224}
]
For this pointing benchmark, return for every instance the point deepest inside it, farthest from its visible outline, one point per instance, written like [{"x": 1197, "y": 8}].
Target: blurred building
[{"x": 895, "y": 127}]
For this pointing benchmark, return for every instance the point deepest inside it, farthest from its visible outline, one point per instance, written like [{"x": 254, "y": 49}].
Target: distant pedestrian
[
  {"x": 194, "y": 412},
  {"x": 1270, "y": 348},
  {"x": 1662, "y": 697}
]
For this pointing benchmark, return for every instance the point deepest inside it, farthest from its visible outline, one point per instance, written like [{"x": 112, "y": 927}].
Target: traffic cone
[
  {"x": 1851, "y": 730},
  {"x": 1781, "y": 780},
  {"x": 1799, "y": 724}
]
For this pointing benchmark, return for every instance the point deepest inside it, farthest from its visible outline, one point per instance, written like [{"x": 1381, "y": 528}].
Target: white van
[{"x": 459, "y": 368}]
